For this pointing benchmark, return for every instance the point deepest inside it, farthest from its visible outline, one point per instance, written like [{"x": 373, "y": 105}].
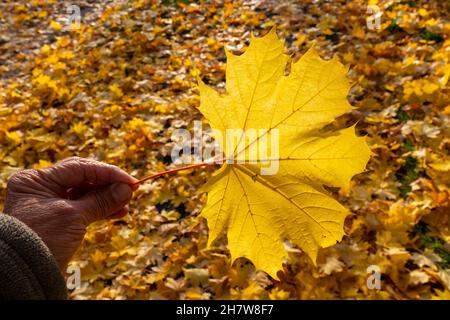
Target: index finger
[{"x": 76, "y": 171}]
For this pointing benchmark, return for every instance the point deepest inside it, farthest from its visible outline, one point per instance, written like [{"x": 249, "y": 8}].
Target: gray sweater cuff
[{"x": 28, "y": 270}]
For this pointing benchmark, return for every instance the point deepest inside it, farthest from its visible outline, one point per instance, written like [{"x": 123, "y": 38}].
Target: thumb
[{"x": 100, "y": 204}]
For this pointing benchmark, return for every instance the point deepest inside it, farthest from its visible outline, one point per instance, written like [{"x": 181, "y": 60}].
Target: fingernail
[{"x": 121, "y": 192}]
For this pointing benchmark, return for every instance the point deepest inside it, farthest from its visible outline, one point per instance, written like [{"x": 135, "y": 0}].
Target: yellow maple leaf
[
  {"x": 13, "y": 137},
  {"x": 258, "y": 212},
  {"x": 115, "y": 89},
  {"x": 278, "y": 294},
  {"x": 55, "y": 25},
  {"x": 42, "y": 164},
  {"x": 79, "y": 128}
]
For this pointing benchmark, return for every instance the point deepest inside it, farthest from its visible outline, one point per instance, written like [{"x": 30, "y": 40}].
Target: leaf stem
[{"x": 192, "y": 166}]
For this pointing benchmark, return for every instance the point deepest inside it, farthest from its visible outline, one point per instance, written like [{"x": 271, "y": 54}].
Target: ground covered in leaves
[{"x": 117, "y": 87}]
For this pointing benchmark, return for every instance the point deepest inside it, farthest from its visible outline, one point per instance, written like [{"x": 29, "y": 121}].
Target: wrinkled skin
[{"x": 59, "y": 202}]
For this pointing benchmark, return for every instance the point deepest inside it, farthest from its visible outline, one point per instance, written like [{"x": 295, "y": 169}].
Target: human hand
[{"x": 59, "y": 202}]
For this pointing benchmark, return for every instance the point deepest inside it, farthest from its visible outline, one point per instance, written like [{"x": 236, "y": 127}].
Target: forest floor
[{"x": 116, "y": 87}]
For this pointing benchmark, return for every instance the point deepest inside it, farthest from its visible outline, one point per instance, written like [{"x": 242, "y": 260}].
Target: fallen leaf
[{"x": 258, "y": 212}]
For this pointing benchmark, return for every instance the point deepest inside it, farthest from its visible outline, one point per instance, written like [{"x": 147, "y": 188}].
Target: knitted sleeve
[{"x": 28, "y": 270}]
